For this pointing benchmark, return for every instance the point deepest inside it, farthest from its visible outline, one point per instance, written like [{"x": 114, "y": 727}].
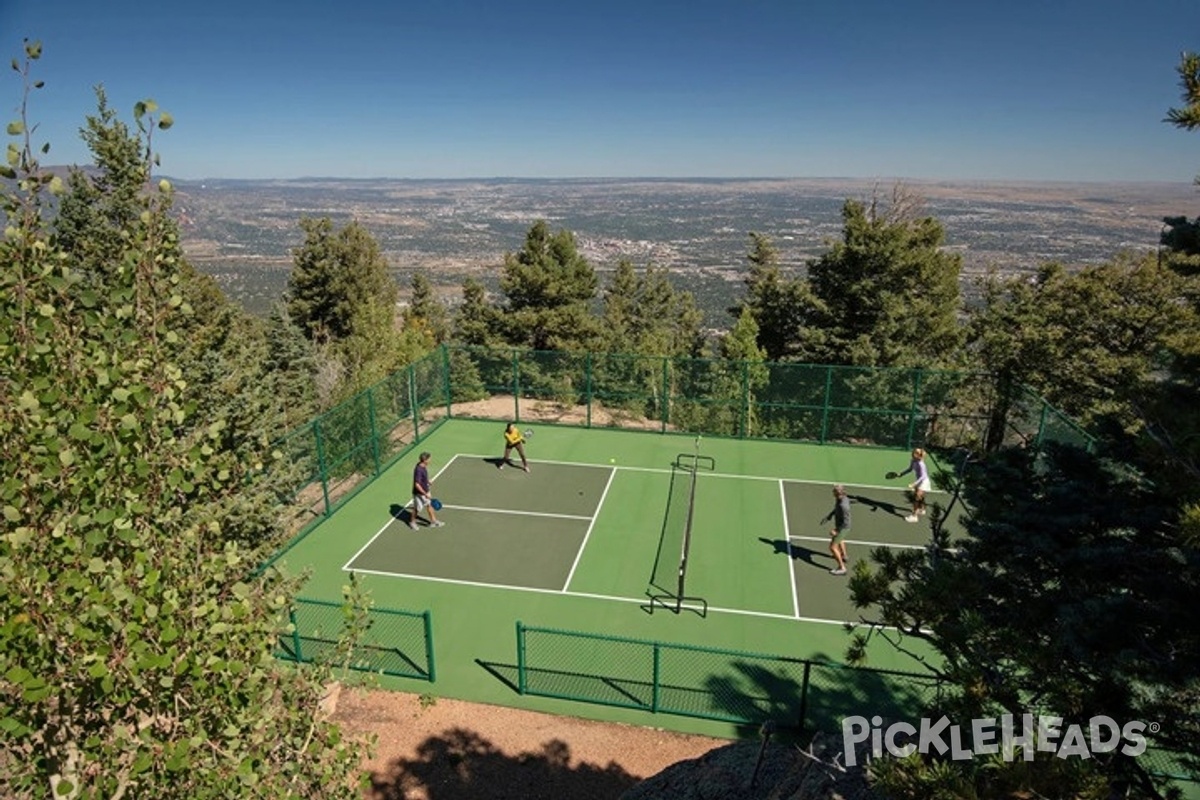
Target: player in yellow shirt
[{"x": 514, "y": 440}]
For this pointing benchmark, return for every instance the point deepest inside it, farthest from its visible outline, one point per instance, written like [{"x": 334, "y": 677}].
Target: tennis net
[{"x": 669, "y": 575}]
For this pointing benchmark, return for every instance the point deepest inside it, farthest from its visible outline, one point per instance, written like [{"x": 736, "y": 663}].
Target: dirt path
[{"x": 439, "y": 749}]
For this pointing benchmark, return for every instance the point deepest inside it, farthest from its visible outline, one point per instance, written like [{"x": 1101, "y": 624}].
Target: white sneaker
[
  {"x": 414, "y": 526},
  {"x": 838, "y": 571},
  {"x": 912, "y": 518},
  {"x": 438, "y": 524}
]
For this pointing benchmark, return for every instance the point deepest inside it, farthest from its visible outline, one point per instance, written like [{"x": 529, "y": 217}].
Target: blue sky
[{"x": 938, "y": 89}]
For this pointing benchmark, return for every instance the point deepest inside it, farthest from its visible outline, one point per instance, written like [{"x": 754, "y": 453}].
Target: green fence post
[
  {"x": 587, "y": 370},
  {"x": 913, "y": 409},
  {"x": 666, "y": 398},
  {"x": 428, "y": 616},
  {"x": 412, "y": 403},
  {"x": 520, "y": 658},
  {"x": 295, "y": 633},
  {"x": 321, "y": 467},
  {"x": 447, "y": 383},
  {"x": 655, "y": 678},
  {"x": 825, "y": 407},
  {"x": 374, "y": 430},
  {"x": 804, "y": 696},
  {"x": 1041, "y": 425},
  {"x": 516, "y": 385},
  {"x": 744, "y": 422}
]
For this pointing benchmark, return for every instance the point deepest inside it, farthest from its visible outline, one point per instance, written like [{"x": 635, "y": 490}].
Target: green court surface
[{"x": 572, "y": 545}]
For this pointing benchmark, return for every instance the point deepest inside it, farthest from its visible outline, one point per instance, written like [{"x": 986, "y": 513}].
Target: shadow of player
[
  {"x": 402, "y": 513},
  {"x": 798, "y": 552},
  {"x": 880, "y": 505}
]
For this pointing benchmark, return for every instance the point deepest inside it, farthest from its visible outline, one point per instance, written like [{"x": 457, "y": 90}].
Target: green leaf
[
  {"x": 18, "y": 675},
  {"x": 16, "y": 128},
  {"x": 13, "y": 726},
  {"x": 37, "y": 692}
]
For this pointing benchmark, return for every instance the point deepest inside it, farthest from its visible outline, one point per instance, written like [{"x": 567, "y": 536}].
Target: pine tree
[
  {"x": 426, "y": 315},
  {"x": 549, "y": 288},
  {"x": 341, "y": 294},
  {"x": 620, "y": 299},
  {"x": 476, "y": 320},
  {"x": 784, "y": 310},
  {"x": 888, "y": 293}
]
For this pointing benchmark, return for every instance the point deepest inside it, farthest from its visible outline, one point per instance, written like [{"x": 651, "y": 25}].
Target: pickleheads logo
[{"x": 1006, "y": 735}]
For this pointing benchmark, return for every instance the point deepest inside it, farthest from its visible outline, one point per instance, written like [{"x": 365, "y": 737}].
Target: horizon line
[{"x": 680, "y": 179}]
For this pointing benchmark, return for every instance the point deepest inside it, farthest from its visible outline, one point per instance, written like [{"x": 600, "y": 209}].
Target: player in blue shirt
[{"x": 423, "y": 494}]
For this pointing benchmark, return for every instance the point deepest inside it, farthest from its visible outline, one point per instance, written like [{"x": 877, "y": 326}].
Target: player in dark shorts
[{"x": 841, "y": 526}]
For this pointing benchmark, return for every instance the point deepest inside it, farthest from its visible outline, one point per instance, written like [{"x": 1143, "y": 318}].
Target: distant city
[{"x": 243, "y": 232}]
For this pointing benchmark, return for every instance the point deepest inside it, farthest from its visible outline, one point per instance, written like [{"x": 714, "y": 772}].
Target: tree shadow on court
[
  {"x": 800, "y": 553},
  {"x": 401, "y": 513},
  {"x": 461, "y": 764},
  {"x": 886, "y": 506}
]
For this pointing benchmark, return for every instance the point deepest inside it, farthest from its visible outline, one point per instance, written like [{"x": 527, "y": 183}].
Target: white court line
[
  {"x": 701, "y": 473},
  {"x": 868, "y": 544},
  {"x": 787, "y": 538},
  {"x": 392, "y": 519},
  {"x": 611, "y": 598},
  {"x": 519, "y": 513},
  {"x": 592, "y": 524},
  {"x": 370, "y": 541},
  {"x": 612, "y": 468}
]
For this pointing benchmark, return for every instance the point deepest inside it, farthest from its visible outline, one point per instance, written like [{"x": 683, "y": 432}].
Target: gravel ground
[{"x": 440, "y": 749}]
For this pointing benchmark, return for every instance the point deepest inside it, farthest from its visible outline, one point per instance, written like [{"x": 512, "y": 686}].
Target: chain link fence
[
  {"x": 709, "y": 683},
  {"x": 329, "y": 459},
  {"x": 388, "y": 641},
  {"x": 873, "y": 406}
]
